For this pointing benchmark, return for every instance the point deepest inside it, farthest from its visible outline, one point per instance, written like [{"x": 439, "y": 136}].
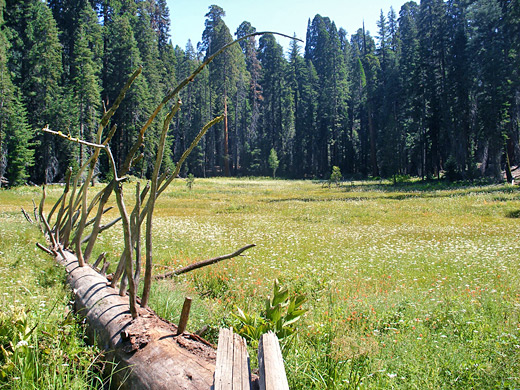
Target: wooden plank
[
  {"x": 241, "y": 372},
  {"x": 232, "y": 366},
  {"x": 223, "y": 372},
  {"x": 270, "y": 361}
]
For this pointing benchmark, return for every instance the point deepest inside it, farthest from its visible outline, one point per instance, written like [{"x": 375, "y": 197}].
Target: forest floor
[{"x": 408, "y": 286}]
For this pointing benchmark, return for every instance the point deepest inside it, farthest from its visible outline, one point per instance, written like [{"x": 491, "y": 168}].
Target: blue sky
[{"x": 288, "y": 17}]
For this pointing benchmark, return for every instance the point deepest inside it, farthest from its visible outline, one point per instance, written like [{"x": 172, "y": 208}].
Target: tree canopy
[{"x": 436, "y": 89}]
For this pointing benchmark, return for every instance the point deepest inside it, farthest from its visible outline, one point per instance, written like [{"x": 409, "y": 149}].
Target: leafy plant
[
  {"x": 16, "y": 351},
  {"x": 280, "y": 316},
  {"x": 273, "y": 161},
  {"x": 335, "y": 176},
  {"x": 190, "y": 179}
]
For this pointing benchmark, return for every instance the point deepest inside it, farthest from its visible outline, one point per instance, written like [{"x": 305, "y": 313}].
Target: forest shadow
[{"x": 410, "y": 190}]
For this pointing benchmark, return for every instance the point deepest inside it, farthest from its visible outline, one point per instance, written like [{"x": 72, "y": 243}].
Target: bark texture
[{"x": 147, "y": 351}]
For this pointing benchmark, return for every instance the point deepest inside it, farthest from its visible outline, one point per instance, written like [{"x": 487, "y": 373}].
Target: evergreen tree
[
  {"x": 16, "y": 154},
  {"x": 224, "y": 75},
  {"x": 389, "y": 100},
  {"x": 85, "y": 77},
  {"x": 36, "y": 61},
  {"x": 277, "y": 113},
  {"x": 251, "y": 103},
  {"x": 493, "y": 74},
  {"x": 324, "y": 50},
  {"x": 122, "y": 58},
  {"x": 273, "y": 161},
  {"x": 459, "y": 84},
  {"x": 303, "y": 81},
  {"x": 432, "y": 51},
  {"x": 409, "y": 75}
]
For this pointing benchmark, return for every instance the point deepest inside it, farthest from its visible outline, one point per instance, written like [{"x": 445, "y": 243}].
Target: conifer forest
[{"x": 435, "y": 89}]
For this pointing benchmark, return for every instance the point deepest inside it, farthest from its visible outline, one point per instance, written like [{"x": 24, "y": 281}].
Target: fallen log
[{"x": 146, "y": 351}]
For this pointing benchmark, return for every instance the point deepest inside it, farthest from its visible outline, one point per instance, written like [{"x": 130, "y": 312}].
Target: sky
[{"x": 283, "y": 16}]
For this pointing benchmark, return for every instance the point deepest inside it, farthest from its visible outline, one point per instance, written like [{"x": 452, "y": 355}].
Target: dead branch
[
  {"x": 151, "y": 204},
  {"x": 63, "y": 201},
  {"x": 136, "y": 231},
  {"x": 103, "y": 269},
  {"x": 36, "y": 213},
  {"x": 27, "y": 216},
  {"x": 102, "y": 229},
  {"x": 128, "y": 251},
  {"x": 98, "y": 260},
  {"x": 91, "y": 221},
  {"x": 46, "y": 250},
  {"x": 201, "y": 264}
]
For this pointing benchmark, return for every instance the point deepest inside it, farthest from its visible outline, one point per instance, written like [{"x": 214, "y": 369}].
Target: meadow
[{"x": 415, "y": 286}]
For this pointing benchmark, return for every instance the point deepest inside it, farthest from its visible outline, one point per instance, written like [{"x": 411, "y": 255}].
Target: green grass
[
  {"x": 41, "y": 341},
  {"x": 410, "y": 286},
  {"x": 414, "y": 286}
]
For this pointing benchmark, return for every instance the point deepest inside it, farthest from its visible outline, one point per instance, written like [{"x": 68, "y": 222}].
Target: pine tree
[
  {"x": 37, "y": 66},
  {"x": 277, "y": 110},
  {"x": 304, "y": 85},
  {"x": 493, "y": 75},
  {"x": 251, "y": 103},
  {"x": 324, "y": 50},
  {"x": 432, "y": 51},
  {"x": 122, "y": 57},
  {"x": 85, "y": 77},
  {"x": 224, "y": 75},
  {"x": 389, "y": 99},
  {"x": 16, "y": 153},
  {"x": 409, "y": 75}
]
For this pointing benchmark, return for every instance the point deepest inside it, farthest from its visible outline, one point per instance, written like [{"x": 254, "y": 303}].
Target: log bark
[{"x": 147, "y": 351}]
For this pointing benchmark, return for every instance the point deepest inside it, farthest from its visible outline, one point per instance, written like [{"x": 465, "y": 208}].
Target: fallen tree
[{"x": 146, "y": 350}]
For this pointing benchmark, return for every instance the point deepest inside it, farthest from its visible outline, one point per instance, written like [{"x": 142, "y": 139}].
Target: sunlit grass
[
  {"x": 42, "y": 342},
  {"x": 409, "y": 286}
]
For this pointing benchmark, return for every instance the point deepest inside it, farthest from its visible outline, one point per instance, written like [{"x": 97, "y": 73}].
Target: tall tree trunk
[
  {"x": 226, "y": 139},
  {"x": 373, "y": 146}
]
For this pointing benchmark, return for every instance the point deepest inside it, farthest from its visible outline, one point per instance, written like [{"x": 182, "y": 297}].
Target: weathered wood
[
  {"x": 128, "y": 251},
  {"x": 185, "y": 315},
  {"x": 45, "y": 249},
  {"x": 102, "y": 228},
  {"x": 99, "y": 259},
  {"x": 232, "y": 367},
  {"x": 203, "y": 263},
  {"x": 270, "y": 362},
  {"x": 27, "y": 216},
  {"x": 151, "y": 205},
  {"x": 147, "y": 352},
  {"x": 241, "y": 371},
  {"x": 103, "y": 269}
]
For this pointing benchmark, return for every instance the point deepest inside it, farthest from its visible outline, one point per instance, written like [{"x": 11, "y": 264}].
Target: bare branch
[
  {"x": 46, "y": 250},
  {"x": 203, "y": 263},
  {"x": 102, "y": 229},
  {"x": 27, "y": 216}
]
